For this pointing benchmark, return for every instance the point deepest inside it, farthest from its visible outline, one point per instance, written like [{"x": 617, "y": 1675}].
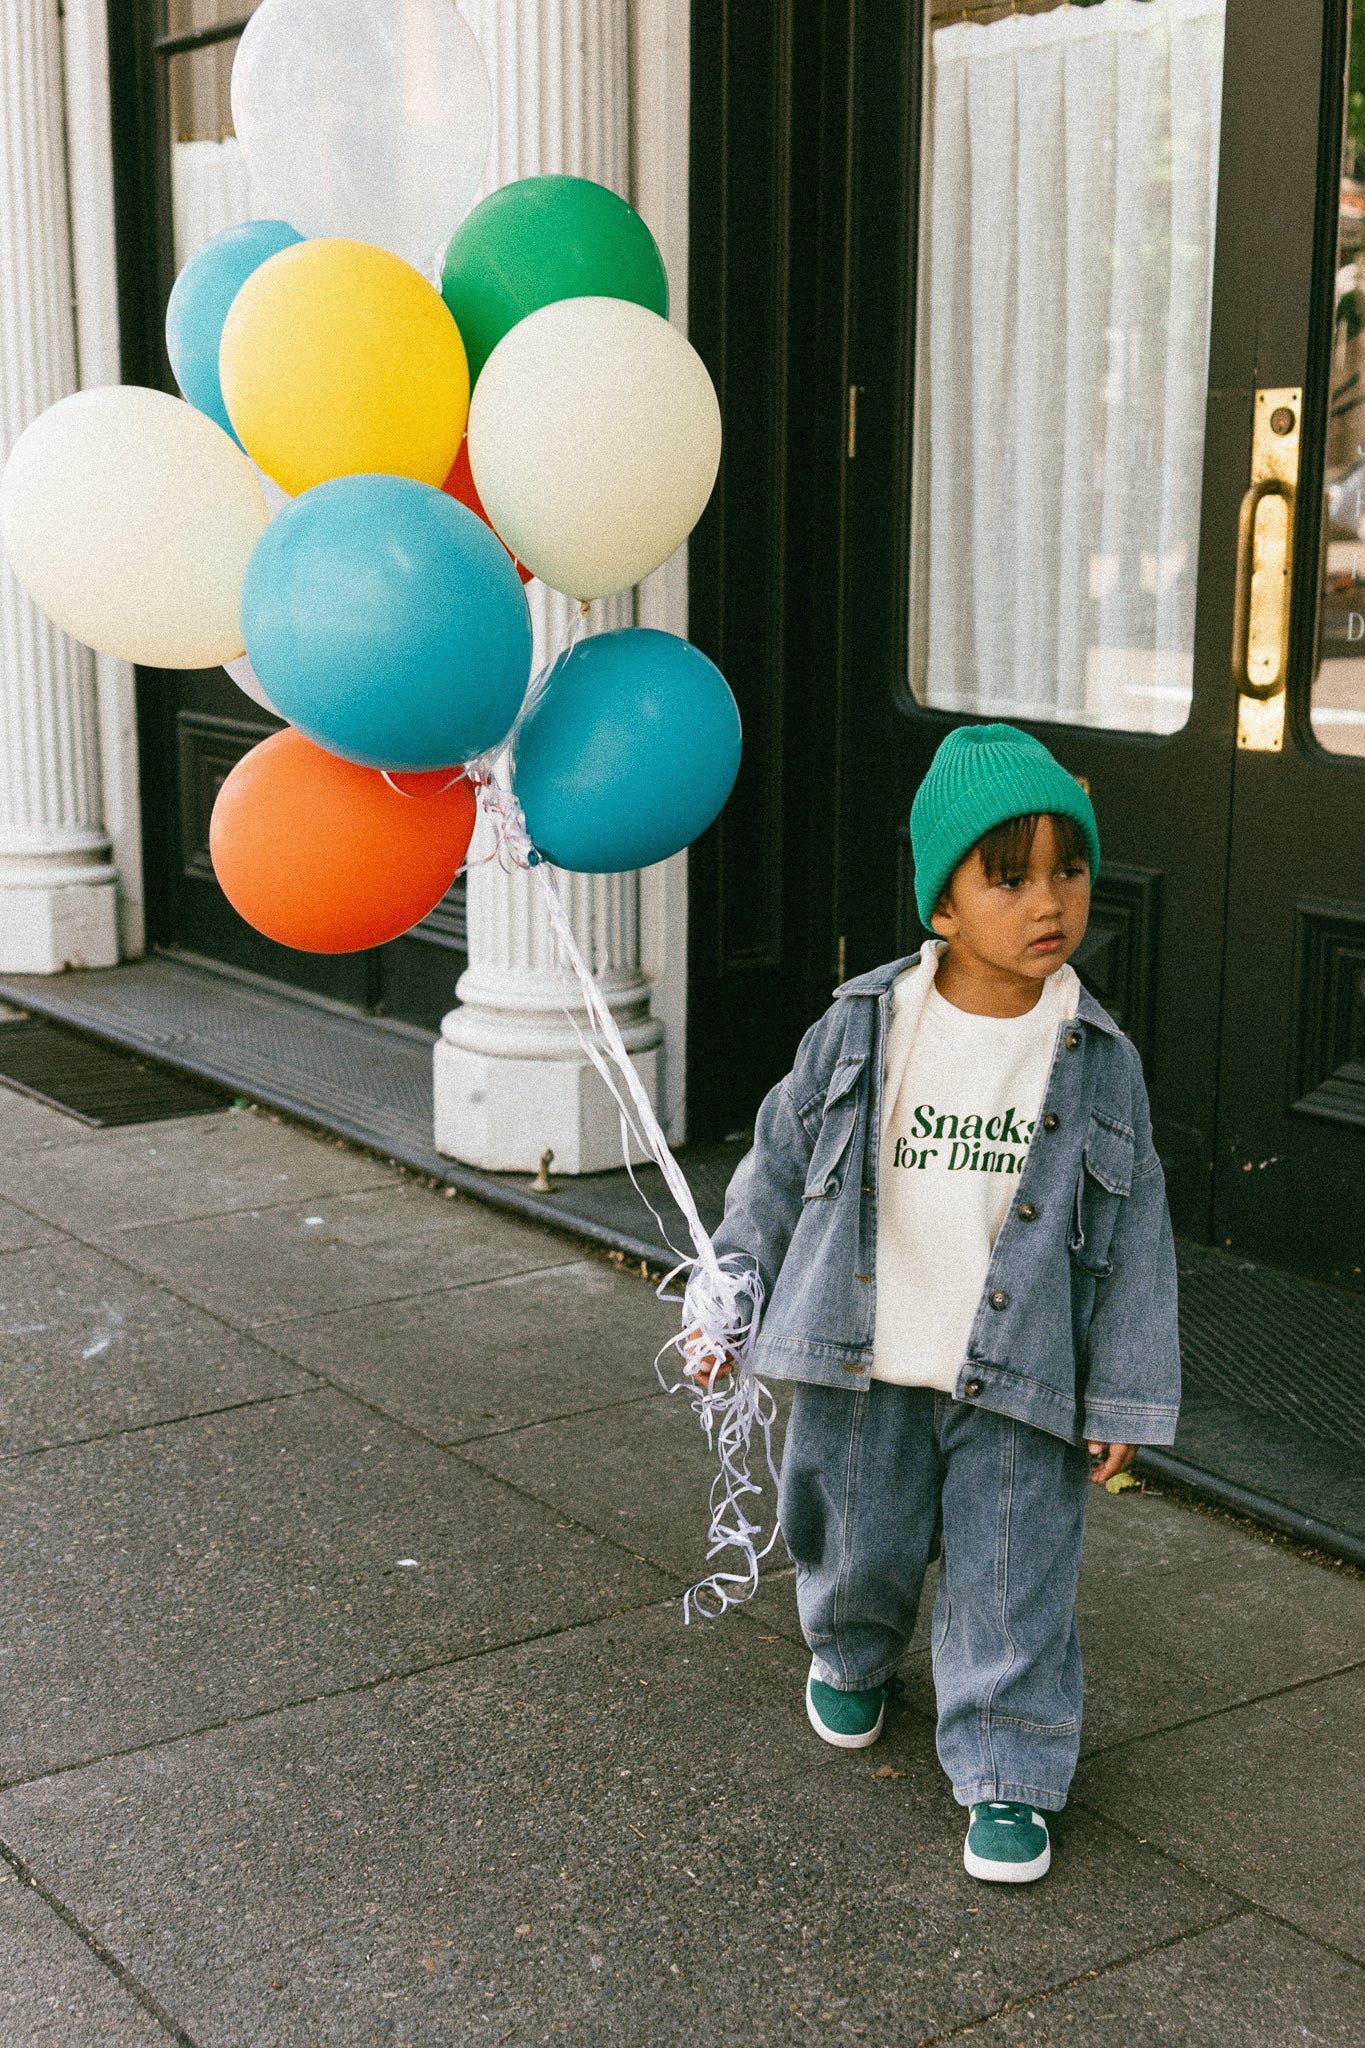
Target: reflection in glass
[
  {"x": 1338, "y": 708},
  {"x": 211, "y": 188},
  {"x": 1071, "y": 169}
]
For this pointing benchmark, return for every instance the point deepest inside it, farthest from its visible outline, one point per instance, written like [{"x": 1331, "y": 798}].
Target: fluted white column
[
  {"x": 511, "y": 1079},
  {"x": 57, "y": 895}
]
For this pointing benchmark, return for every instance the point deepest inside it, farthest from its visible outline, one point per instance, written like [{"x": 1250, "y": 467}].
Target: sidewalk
[{"x": 346, "y": 1697}]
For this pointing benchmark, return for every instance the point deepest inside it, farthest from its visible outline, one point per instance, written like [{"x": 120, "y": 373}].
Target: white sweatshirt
[{"x": 960, "y": 1097}]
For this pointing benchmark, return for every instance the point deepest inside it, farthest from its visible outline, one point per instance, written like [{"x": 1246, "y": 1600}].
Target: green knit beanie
[{"x": 981, "y": 776}]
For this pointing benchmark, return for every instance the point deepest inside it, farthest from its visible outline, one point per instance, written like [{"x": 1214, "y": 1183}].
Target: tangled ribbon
[{"x": 723, "y": 1297}]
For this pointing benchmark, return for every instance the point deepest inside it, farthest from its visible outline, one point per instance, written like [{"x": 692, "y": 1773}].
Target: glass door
[
  {"x": 1289, "y": 1181},
  {"x": 181, "y": 178},
  {"x": 1105, "y": 369}
]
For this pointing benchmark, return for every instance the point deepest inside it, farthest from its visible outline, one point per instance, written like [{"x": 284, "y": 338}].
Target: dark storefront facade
[{"x": 1041, "y": 336}]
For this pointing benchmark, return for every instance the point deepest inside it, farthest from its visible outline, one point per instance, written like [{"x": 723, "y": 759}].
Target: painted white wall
[
  {"x": 661, "y": 55},
  {"x": 90, "y": 173}
]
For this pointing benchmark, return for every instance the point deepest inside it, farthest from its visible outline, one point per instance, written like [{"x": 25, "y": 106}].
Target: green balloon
[{"x": 543, "y": 239}]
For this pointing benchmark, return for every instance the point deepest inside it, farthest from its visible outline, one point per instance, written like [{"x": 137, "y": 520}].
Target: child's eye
[
  {"x": 1069, "y": 874},
  {"x": 1013, "y": 881}
]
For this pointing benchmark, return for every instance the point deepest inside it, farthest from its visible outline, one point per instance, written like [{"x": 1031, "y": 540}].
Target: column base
[
  {"x": 55, "y": 925},
  {"x": 502, "y": 1114}
]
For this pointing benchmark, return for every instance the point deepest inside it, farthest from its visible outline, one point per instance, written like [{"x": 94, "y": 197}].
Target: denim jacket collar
[{"x": 880, "y": 981}]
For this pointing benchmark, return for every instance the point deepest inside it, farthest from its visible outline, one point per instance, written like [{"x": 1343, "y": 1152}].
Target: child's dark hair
[{"x": 1005, "y": 849}]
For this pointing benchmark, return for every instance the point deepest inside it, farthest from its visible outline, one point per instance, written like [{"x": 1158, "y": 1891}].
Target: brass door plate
[{"x": 1274, "y": 457}]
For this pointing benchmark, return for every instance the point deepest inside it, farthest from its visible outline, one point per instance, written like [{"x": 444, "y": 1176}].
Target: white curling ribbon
[{"x": 723, "y": 1302}]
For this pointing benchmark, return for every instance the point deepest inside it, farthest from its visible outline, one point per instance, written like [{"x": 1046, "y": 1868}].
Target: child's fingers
[{"x": 1114, "y": 1458}]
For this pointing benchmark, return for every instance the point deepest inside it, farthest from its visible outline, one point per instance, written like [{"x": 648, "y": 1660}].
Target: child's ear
[{"x": 942, "y": 920}]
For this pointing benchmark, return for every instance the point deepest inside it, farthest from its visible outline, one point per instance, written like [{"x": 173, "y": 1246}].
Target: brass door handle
[{"x": 1269, "y": 679}]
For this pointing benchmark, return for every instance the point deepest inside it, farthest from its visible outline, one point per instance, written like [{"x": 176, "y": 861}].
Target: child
[{"x": 961, "y": 1229}]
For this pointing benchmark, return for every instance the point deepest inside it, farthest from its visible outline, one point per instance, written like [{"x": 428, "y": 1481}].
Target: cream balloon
[
  {"x": 129, "y": 517},
  {"x": 594, "y": 439},
  {"x": 365, "y": 119}
]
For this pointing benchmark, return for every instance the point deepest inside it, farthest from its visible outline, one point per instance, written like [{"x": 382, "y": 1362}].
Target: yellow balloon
[
  {"x": 130, "y": 518},
  {"x": 339, "y": 358}
]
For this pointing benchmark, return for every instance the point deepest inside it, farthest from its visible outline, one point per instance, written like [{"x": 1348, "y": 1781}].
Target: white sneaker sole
[
  {"x": 1007, "y": 1873},
  {"x": 841, "y": 1741}
]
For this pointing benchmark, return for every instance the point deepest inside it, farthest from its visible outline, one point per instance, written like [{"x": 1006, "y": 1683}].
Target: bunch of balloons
[{"x": 365, "y": 471}]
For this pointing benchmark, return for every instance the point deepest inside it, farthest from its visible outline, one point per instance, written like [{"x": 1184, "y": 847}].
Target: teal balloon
[
  {"x": 199, "y": 302},
  {"x": 629, "y": 755},
  {"x": 543, "y": 239},
  {"x": 388, "y": 623}
]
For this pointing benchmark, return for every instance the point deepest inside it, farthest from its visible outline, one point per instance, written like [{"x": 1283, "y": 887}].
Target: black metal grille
[
  {"x": 98, "y": 1083},
  {"x": 1271, "y": 1342}
]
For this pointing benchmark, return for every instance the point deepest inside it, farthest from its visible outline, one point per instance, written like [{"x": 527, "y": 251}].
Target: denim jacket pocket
[
  {"x": 839, "y": 1118},
  {"x": 1105, "y": 1180}
]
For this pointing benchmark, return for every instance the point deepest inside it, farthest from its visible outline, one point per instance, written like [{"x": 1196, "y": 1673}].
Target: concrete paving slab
[
  {"x": 29, "y": 1126},
  {"x": 187, "y": 1166},
  {"x": 180, "y": 1575},
  {"x": 1261, "y": 1799},
  {"x": 626, "y": 1833},
  {"x": 1249, "y": 1984},
  {"x": 87, "y": 1347},
  {"x": 18, "y": 1229},
  {"x": 495, "y": 1355},
  {"x": 254, "y": 1267},
  {"x": 1182, "y": 1612},
  {"x": 54, "y": 1991},
  {"x": 641, "y": 1472}
]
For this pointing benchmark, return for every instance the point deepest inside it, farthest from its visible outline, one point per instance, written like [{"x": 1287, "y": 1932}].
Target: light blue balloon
[
  {"x": 387, "y": 623},
  {"x": 199, "y": 302},
  {"x": 630, "y": 754}
]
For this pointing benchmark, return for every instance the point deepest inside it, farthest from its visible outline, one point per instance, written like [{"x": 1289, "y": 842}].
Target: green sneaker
[
  {"x": 850, "y": 1720},
  {"x": 1007, "y": 1842}
]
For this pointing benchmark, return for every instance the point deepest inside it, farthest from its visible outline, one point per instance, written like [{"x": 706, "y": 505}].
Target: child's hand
[
  {"x": 1107, "y": 1459},
  {"x": 703, "y": 1362}
]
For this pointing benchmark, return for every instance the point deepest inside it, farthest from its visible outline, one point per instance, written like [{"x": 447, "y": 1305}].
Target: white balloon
[
  {"x": 130, "y": 517},
  {"x": 369, "y": 119},
  {"x": 249, "y": 683},
  {"x": 594, "y": 439}
]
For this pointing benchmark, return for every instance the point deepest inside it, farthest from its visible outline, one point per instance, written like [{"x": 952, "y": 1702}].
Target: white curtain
[
  {"x": 211, "y": 189},
  {"x": 1071, "y": 226}
]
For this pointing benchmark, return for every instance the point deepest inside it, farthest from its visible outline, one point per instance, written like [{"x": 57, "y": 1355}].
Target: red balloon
[
  {"x": 460, "y": 484},
  {"x": 328, "y": 857}
]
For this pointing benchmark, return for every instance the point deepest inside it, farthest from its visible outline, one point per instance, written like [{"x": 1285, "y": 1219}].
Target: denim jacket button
[
  {"x": 972, "y": 1389},
  {"x": 999, "y": 1299},
  {"x": 1051, "y": 1120},
  {"x": 1029, "y": 1211},
  {"x": 1073, "y": 1039}
]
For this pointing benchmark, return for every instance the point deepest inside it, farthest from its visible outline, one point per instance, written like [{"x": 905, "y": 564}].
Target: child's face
[{"x": 1027, "y": 923}]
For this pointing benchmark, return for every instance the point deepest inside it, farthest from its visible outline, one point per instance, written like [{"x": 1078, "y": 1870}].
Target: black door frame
[{"x": 1265, "y": 328}]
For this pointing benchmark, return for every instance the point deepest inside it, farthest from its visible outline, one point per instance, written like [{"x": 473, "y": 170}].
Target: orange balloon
[
  {"x": 328, "y": 857},
  {"x": 460, "y": 484}
]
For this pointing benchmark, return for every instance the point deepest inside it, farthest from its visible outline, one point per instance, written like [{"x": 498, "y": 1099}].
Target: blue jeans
[{"x": 869, "y": 1484}]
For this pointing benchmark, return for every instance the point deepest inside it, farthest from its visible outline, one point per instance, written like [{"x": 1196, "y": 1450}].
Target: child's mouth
[{"x": 1049, "y": 943}]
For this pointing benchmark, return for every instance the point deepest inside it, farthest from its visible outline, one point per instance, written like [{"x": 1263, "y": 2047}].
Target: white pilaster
[
  {"x": 57, "y": 893},
  {"x": 510, "y": 1076},
  {"x": 661, "y": 106}
]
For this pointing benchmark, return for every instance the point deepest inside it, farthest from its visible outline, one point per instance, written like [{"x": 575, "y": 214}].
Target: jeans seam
[
  {"x": 840, "y": 1602},
  {"x": 1002, "y": 1579}
]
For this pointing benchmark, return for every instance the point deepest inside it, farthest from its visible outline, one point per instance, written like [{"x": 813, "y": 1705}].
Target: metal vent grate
[
  {"x": 1270, "y": 1342},
  {"x": 93, "y": 1081}
]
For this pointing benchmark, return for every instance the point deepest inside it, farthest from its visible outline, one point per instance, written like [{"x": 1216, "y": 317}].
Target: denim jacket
[{"x": 1075, "y": 1332}]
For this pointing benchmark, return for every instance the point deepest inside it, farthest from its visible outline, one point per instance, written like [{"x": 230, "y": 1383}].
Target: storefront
[{"x": 1040, "y": 331}]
